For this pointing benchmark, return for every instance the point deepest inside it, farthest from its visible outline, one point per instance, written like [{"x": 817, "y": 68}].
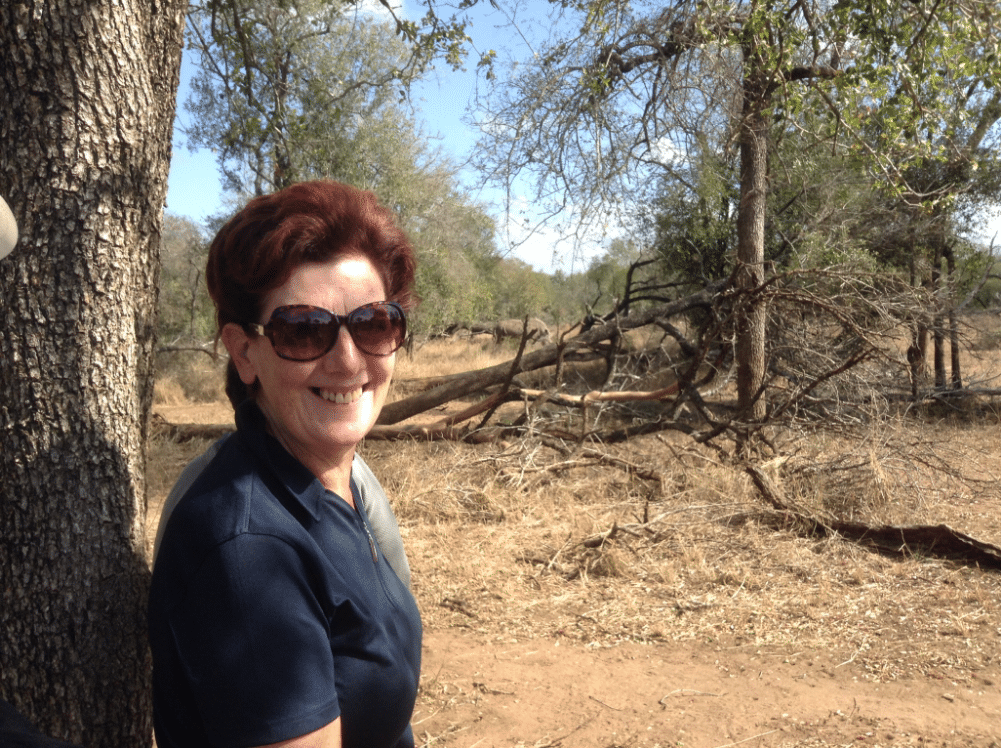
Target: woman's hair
[{"x": 259, "y": 248}]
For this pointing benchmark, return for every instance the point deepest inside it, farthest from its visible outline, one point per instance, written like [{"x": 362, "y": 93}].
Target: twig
[
  {"x": 552, "y": 561},
  {"x": 849, "y": 660},
  {"x": 691, "y": 691},
  {"x": 633, "y": 468},
  {"x": 614, "y": 709},
  {"x": 759, "y": 735}
]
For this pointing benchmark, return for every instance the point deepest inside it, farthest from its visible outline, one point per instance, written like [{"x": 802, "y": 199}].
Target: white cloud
[{"x": 667, "y": 151}]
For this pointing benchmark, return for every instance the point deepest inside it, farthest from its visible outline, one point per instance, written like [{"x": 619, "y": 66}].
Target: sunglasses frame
[{"x": 341, "y": 320}]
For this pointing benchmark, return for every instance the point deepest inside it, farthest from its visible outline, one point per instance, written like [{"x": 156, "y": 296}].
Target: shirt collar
[{"x": 294, "y": 477}]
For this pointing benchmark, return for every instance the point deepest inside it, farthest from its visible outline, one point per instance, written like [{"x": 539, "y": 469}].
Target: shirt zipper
[{"x": 364, "y": 524}]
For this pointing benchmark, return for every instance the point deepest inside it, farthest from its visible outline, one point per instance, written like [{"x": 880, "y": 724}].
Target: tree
[
  {"x": 185, "y": 313},
  {"x": 87, "y": 93},
  {"x": 288, "y": 90},
  {"x": 302, "y": 90},
  {"x": 626, "y": 88},
  {"x": 519, "y": 290},
  {"x": 454, "y": 241},
  {"x": 949, "y": 172}
]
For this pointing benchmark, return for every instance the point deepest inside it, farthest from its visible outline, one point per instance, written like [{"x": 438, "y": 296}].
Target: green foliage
[
  {"x": 822, "y": 204},
  {"x": 921, "y": 94},
  {"x": 694, "y": 229},
  {"x": 567, "y": 299},
  {"x": 603, "y": 284},
  {"x": 518, "y": 290},
  {"x": 456, "y": 262},
  {"x": 186, "y": 315},
  {"x": 286, "y": 90}
]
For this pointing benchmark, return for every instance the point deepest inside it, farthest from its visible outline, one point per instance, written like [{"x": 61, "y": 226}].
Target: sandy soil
[
  {"x": 485, "y": 684},
  {"x": 541, "y": 692}
]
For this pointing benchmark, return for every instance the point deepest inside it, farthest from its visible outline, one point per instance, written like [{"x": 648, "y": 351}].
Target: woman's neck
[{"x": 332, "y": 470}]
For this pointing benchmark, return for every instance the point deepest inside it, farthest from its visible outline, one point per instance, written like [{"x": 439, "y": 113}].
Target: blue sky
[{"x": 194, "y": 189}]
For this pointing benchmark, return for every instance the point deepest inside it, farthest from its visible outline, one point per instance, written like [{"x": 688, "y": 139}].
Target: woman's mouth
[{"x": 340, "y": 397}]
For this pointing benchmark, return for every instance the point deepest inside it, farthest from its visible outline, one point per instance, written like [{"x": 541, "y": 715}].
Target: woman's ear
[{"x": 237, "y": 343}]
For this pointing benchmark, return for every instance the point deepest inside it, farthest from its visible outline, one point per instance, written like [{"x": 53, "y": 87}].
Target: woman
[{"x": 274, "y": 617}]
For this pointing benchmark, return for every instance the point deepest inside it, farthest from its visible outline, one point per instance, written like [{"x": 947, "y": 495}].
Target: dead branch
[
  {"x": 183, "y": 432},
  {"x": 445, "y": 429},
  {"x": 515, "y": 368},
  {"x": 630, "y": 467},
  {"x": 474, "y": 381},
  {"x": 936, "y": 541},
  {"x": 207, "y": 349}
]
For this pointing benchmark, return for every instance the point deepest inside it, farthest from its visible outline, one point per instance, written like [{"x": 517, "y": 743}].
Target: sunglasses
[{"x": 304, "y": 333}]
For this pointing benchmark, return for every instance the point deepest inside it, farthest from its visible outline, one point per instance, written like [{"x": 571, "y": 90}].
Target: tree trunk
[
  {"x": 87, "y": 91},
  {"x": 750, "y": 273},
  {"x": 938, "y": 321},
  {"x": 956, "y": 378}
]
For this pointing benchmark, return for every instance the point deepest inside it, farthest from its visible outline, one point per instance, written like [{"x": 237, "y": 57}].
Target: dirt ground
[
  {"x": 544, "y": 692},
  {"x": 517, "y": 658}
]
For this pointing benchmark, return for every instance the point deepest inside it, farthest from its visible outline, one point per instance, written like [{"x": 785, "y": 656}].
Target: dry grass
[
  {"x": 497, "y": 538},
  {"x": 439, "y": 358}
]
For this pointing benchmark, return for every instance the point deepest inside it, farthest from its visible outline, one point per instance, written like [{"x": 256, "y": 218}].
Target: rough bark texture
[
  {"x": 87, "y": 92},
  {"x": 750, "y": 273}
]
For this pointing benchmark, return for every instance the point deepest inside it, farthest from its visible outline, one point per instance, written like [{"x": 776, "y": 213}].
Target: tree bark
[
  {"x": 750, "y": 271},
  {"x": 956, "y": 377},
  {"x": 87, "y": 91},
  {"x": 938, "y": 320}
]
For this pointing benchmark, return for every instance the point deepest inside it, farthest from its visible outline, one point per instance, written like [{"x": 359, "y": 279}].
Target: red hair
[{"x": 258, "y": 248}]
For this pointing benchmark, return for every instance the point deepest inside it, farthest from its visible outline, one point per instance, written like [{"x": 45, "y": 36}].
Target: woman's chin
[{"x": 351, "y": 423}]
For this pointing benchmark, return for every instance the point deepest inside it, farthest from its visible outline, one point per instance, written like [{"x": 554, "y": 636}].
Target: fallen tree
[
  {"x": 462, "y": 385},
  {"x": 832, "y": 362},
  {"x": 831, "y": 359},
  {"x": 932, "y": 541}
]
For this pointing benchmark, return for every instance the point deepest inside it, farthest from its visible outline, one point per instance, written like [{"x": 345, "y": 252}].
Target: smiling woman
[{"x": 276, "y": 616}]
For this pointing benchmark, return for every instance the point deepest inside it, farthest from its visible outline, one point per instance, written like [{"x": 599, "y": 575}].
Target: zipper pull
[{"x": 371, "y": 544}]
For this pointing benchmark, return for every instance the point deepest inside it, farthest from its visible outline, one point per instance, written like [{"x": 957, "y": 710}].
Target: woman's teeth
[{"x": 341, "y": 397}]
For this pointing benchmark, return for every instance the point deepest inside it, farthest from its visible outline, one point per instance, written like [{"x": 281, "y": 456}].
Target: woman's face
[{"x": 321, "y": 409}]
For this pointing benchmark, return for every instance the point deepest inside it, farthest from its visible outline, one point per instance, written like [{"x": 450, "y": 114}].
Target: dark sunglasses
[{"x": 304, "y": 333}]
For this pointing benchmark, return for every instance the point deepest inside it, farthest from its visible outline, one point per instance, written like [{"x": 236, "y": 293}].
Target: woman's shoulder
[{"x": 228, "y": 498}]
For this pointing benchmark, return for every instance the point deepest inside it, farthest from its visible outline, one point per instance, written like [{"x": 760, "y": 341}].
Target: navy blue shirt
[{"x": 273, "y": 612}]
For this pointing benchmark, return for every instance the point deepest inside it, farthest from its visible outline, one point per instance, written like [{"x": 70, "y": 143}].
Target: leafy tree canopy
[{"x": 303, "y": 89}]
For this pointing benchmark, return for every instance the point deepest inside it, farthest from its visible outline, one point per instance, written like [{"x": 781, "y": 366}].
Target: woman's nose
[{"x": 344, "y": 356}]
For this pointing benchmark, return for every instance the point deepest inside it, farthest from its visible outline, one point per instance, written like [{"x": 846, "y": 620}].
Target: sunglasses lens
[
  {"x": 302, "y": 333},
  {"x": 378, "y": 329}
]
